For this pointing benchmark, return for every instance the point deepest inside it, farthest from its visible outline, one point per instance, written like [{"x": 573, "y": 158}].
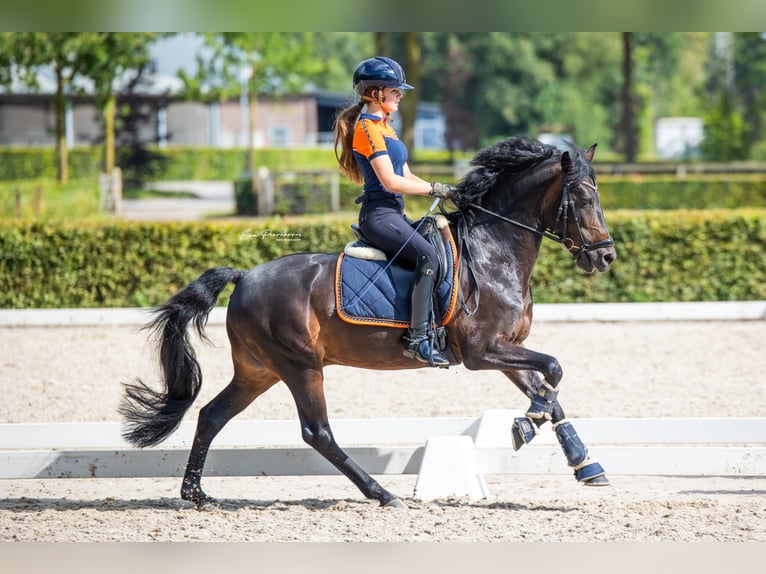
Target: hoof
[
  {"x": 395, "y": 503},
  {"x": 597, "y": 481},
  {"x": 200, "y": 499},
  {"x": 208, "y": 505},
  {"x": 590, "y": 472}
]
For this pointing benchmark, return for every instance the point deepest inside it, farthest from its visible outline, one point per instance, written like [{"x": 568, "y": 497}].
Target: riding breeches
[{"x": 389, "y": 230}]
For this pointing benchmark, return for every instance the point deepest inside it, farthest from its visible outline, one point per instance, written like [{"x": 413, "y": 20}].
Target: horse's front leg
[
  {"x": 543, "y": 400},
  {"x": 538, "y": 375},
  {"x": 586, "y": 470}
]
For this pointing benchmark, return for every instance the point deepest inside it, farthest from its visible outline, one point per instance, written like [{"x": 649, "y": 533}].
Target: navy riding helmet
[{"x": 379, "y": 72}]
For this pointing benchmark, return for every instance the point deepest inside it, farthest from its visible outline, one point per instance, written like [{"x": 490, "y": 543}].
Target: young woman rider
[{"x": 372, "y": 154}]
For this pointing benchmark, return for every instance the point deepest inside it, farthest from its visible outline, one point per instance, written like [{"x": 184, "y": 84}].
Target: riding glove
[{"x": 442, "y": 190}]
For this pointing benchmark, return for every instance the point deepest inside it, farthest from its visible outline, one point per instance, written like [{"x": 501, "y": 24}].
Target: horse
[{"x": 282, "y": 323}]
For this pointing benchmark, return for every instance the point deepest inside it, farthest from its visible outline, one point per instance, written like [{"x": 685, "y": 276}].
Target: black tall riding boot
[{"x": 419, "y": 344}]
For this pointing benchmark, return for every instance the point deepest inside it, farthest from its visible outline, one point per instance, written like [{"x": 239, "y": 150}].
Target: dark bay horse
[{"x": 283, "y": 326}]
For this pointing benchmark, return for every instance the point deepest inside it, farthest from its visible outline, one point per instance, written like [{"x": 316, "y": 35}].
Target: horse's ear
[{"x": 590, "y": 153}]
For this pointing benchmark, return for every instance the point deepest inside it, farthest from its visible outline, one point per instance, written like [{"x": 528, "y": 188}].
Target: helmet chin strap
[{"x": 379, "y": 99}]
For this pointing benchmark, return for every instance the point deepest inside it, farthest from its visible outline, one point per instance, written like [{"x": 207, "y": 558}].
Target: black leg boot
[{"x": 419, "y": 344}]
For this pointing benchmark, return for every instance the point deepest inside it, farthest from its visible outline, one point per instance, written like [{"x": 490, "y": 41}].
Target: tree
[
  {"x": 579, "y": 101},
  {"x": 493, "y": 85},
  {"x": 409, "y": 105},
  {"x": 104, "y": 58},
  {"x": 734, "y": 122},
  {"x": 258, "y": 62},
  {"x": 405, "y": 48},
  {"x": 628, "y": 129},
  {"x": 340, "y": 52},
  {"x": 5, "y": 59},
  {"x": 669, "y": 71},
  {"x": 61, "y": 52},
  {"x": 508, "y": 75},
  {"x": 381, "y": 48},
  {"x": 724, "y": 131},
  {"x": 460, "y": 130},
  {"x": 500, "y": 84},
  {"x": 750, "y": 83},
  {"x": 114, "y": 60}
]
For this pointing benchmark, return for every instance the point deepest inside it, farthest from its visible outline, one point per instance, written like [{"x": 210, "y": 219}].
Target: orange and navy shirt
[{"x": 373, "y": 137}]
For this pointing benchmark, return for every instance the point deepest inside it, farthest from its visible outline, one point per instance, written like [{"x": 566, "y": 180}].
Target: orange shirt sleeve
[{"x": 368, "y": 139}]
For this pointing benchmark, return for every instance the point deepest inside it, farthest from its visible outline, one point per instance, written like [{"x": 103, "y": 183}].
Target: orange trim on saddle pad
[{"x": 379, "y": 322}]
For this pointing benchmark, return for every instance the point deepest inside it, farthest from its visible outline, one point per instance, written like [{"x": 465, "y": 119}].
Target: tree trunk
[
  {"x": 380, "y": 43},
  {"x": 252, "y": 170},
  {"x": 410, "y": 100},
  {"x": 109, "y": 112},
  {"x": 251, "y": 134},
  {"x": 62, "y": 152},
  {"x": 628, "y": 123},
  {"x": 449, "y": 87}
]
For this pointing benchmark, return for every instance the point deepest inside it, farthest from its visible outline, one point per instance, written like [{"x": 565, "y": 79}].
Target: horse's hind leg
[
  {"x": 545, "y": 406},
  {"x": 239, "y": 393},
  {"x": 307, "y": 388}
]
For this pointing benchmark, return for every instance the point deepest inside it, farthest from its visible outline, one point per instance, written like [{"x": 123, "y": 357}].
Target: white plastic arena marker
[
  {"x": 449, "y": 469},
  {"x": 494, "y": 428}
]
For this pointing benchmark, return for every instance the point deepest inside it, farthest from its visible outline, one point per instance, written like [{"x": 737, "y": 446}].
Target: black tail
[{"x": 151, "y": 416}]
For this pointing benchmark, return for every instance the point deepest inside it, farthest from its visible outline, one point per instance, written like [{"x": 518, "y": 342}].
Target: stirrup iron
[{"x": 423, "y": 349}]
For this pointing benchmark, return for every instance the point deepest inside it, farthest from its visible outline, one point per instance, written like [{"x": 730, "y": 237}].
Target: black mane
[{"x": 510, "y": 157}]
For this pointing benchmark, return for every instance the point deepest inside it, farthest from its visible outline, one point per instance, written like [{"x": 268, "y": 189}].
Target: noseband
[{"x": 562, "y": 215}]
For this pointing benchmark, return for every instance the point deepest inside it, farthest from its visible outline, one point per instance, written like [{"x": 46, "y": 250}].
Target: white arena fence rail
[
  {"x": 449, "y": 455},
  {"x": 648, "y": 311}
]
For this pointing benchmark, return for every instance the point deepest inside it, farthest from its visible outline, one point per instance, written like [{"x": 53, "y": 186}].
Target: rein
[{"x": 562, "y": 214}]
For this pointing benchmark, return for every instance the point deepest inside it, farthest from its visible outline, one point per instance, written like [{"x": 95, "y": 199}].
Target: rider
[{"x": 371, "y": 153}]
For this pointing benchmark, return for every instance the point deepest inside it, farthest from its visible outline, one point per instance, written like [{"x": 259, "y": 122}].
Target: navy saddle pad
[{"x": 376, "y": 293}]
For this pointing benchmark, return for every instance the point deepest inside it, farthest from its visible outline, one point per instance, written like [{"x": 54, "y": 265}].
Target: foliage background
[
  {"x": 57, "y": 250},
  {"x": 711, "y": 255},
  {"x": 488, "y": 84}
]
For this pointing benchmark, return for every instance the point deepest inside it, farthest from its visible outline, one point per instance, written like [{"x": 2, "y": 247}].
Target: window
[{"x": 279, "y": 136}]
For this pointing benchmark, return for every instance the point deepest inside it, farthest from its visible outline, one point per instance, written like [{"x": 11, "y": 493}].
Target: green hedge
[
  {"x": 172, "y": 163},
  {"x": 35, "y": 163},
  {"x": 669, "y": 192},
  {"x": 188, "y": 163},
  {"x": 712, "y": 255},
  {"x": 131, "y": 264},
  {"x": 662, "y": 256}
]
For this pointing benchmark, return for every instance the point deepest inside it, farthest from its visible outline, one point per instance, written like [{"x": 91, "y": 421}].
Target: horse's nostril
[{"x": 609, "y": 258}]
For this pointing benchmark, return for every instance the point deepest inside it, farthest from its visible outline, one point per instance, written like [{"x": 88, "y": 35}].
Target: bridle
[{"x": 562, "y": 217}]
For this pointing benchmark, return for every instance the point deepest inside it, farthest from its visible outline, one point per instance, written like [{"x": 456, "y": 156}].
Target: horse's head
[
  {"x": 550, "y": 193},
  {"x": 579, "y": 220}
]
